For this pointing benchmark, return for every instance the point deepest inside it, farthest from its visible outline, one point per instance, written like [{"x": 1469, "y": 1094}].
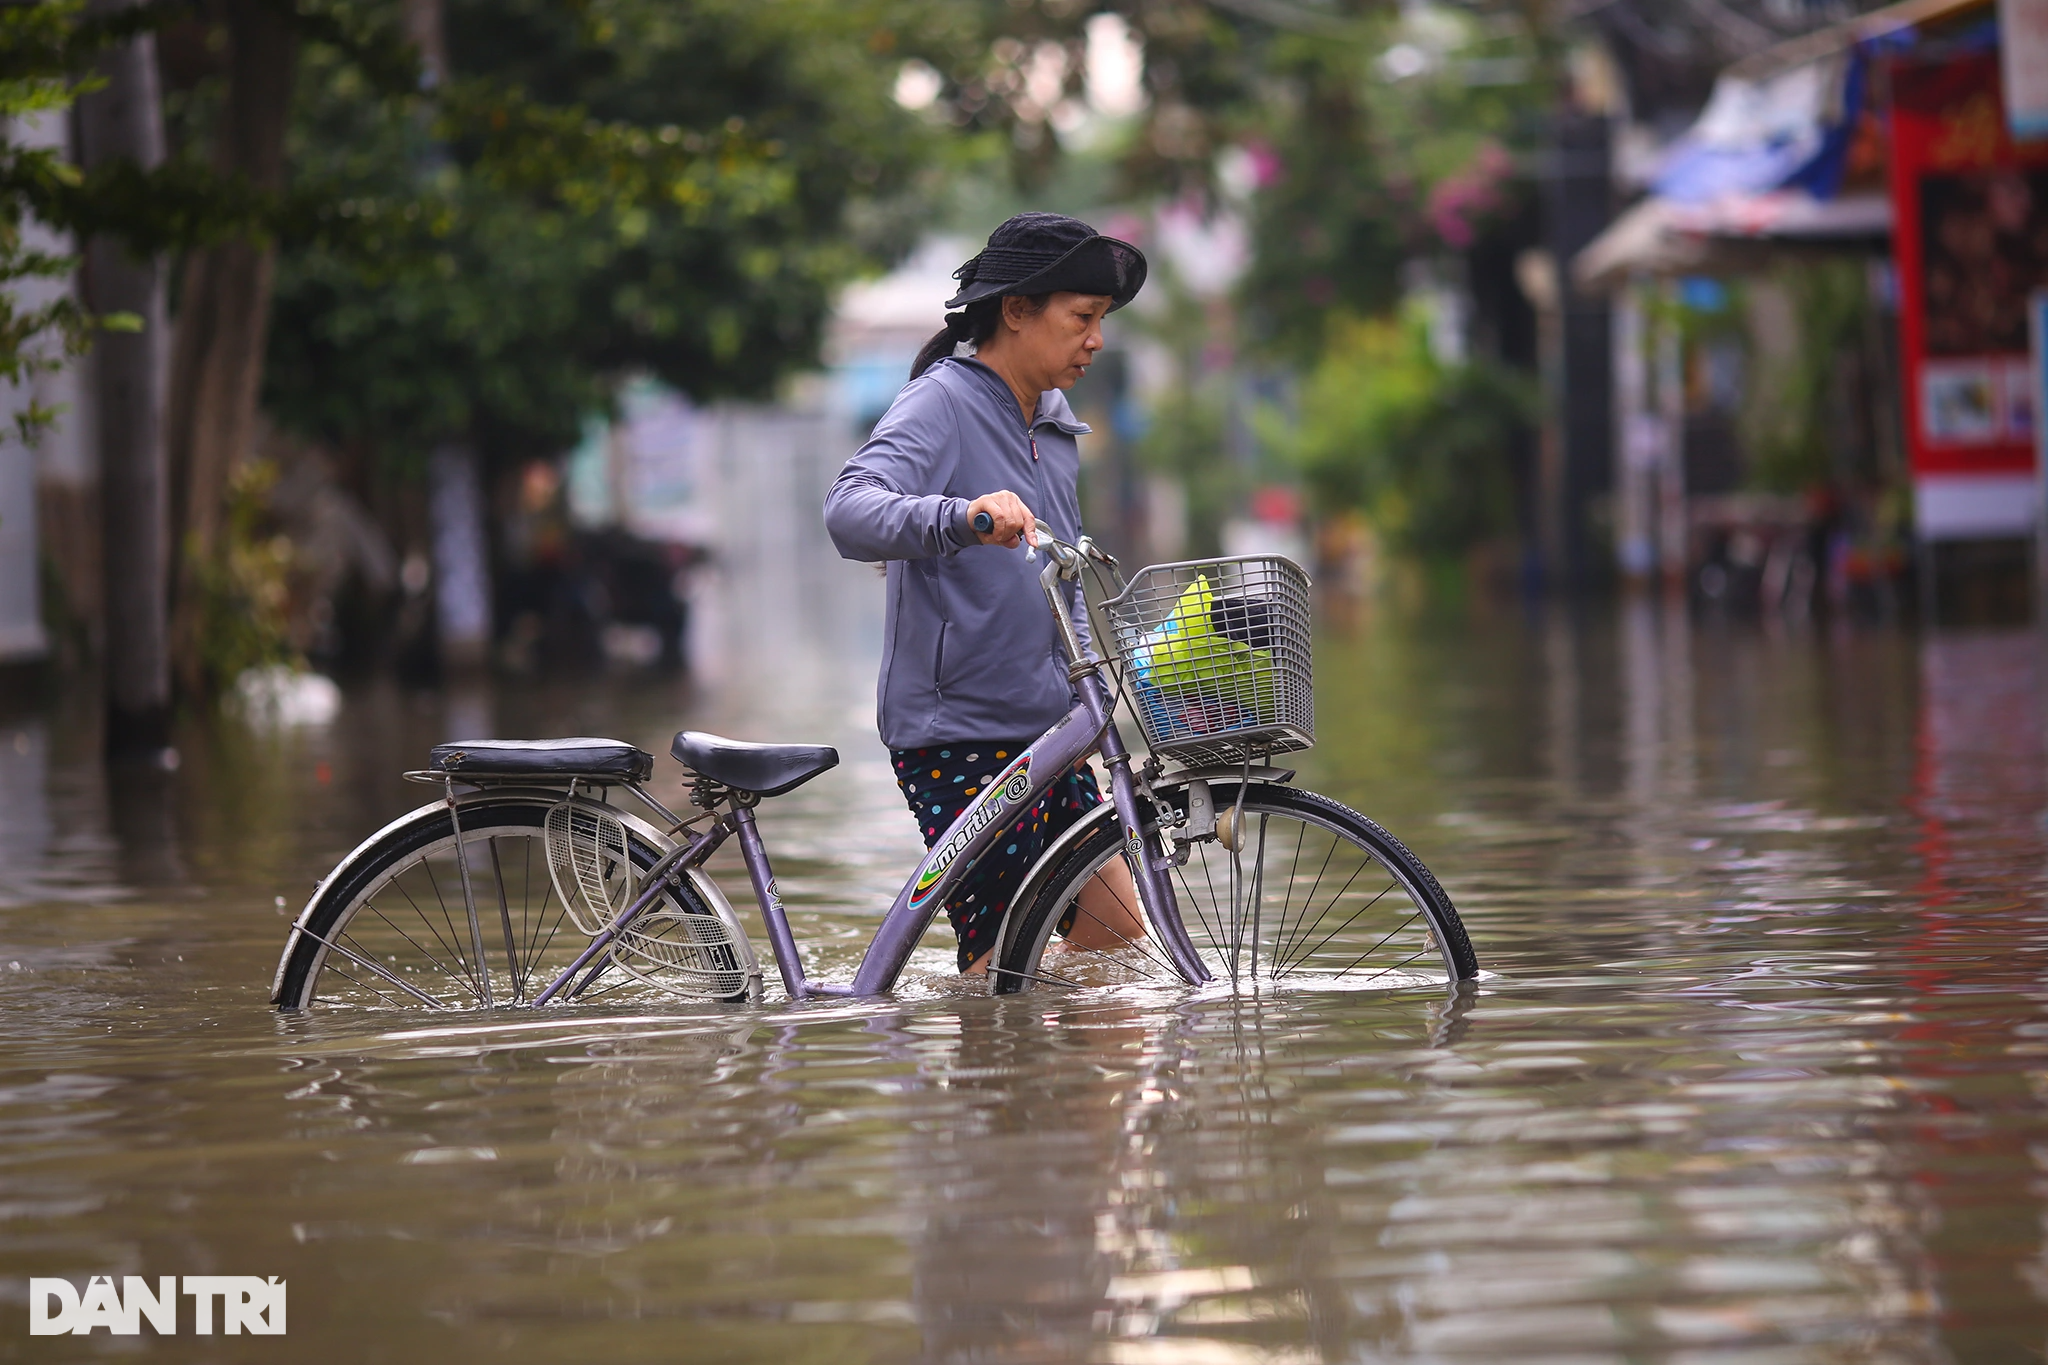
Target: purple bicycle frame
[{"x": 1086, "y": 729}]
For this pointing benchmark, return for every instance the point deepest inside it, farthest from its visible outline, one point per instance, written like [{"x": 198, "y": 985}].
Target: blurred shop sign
[
  {"x": 2037, "y": 336},
  {"x": 646, "y": 471},
  {"x": 2023, "y": 37},
  {"x": 1970, "y": 233}
]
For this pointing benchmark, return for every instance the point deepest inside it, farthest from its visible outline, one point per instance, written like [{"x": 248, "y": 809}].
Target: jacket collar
[{"x": 1053, "y": 408}]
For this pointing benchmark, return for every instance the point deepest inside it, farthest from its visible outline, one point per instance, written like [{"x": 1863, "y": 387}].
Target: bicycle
[{"x": 1230, "y": 864}]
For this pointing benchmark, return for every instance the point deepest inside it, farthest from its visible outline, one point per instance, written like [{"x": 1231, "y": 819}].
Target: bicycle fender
[
  {"x": 1048, "y": 862},
  {"x": 354, "y": 856},
  {"x": 1223, "y": 772}
]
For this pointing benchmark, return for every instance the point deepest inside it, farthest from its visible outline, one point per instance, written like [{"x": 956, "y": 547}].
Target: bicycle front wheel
[
  {"x": 391, "y": 927},
  {"x": 1298, "y": 890}
]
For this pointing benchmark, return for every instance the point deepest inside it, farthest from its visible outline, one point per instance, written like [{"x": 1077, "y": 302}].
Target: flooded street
[{"x": 1758, "y": 1073}]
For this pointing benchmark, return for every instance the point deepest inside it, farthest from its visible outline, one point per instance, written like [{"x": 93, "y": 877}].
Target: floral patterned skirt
[{"x": 942, "y": 781}]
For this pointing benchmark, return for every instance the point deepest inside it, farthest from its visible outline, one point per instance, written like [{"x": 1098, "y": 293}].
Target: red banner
[{"x": 1970, "y": 239}]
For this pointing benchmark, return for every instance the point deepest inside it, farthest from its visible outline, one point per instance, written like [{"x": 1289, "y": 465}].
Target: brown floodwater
[{"x": 1758, "y": 1073}]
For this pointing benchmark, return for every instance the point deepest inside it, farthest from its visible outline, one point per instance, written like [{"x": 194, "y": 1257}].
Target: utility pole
[{"x": 1578, "y": 206}]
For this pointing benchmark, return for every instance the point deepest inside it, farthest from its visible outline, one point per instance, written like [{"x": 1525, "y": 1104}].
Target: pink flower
[
  {"x": 1461, "y": 199},
  {"x": 1266, "y": 166},
  {"x": 1126, "y": 227}
]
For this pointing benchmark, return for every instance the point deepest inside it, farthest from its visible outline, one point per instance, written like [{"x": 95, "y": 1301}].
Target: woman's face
[{"x": 1054, "y": 346}]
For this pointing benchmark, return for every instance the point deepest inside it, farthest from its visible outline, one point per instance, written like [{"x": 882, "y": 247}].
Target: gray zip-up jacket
[{"x": 969, "y": 649}]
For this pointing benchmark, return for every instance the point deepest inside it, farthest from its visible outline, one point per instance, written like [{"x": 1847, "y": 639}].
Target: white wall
[{"x": 64, "y": 453}]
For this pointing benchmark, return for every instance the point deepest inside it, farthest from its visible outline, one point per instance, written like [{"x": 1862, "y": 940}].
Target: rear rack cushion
[{"x": 545, "y": 757}]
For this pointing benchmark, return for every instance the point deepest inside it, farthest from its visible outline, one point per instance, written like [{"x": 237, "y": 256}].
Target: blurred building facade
[{"x": 1811, "y": 399}]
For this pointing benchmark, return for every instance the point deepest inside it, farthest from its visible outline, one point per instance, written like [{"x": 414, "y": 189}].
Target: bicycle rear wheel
[
  {"x": 391, "y": 928},
  {"x": 1313, "y": 894}
]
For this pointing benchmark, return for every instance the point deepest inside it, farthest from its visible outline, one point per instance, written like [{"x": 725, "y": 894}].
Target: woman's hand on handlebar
[{"x": 1006, "y": 519}]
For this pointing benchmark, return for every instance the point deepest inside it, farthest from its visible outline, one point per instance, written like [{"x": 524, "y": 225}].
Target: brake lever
[
  {"x": 1087, "y": 546},
  {"x": 984, "y": 523}
]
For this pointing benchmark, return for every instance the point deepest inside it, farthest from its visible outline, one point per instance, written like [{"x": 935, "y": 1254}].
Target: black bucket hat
[{"x": 1041, "y": 253}]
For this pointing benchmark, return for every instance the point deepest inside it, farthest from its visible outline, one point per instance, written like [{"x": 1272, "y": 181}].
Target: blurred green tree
[
  {"x": 1399, "y": 138},
  {"x": 482, "y": 242},
  {"x": 1416, "y": 444},
  {"x": 37, "y": 337},
  {"x": 1354, "y": 135},
  {"x": 602, "y": 188}
]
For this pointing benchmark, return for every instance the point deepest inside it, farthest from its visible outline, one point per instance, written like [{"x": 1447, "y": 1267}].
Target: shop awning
[
  {"x": 1761, "y": 169},
  {"x": 1877, "y": 27},
  {"x": 1731, "y": 234}
]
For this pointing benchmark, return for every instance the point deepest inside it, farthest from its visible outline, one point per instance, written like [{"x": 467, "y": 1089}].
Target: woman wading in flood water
[{"x": 982, "y": 437}]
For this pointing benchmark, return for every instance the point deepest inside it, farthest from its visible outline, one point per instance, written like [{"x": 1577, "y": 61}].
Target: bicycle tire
[
  {"x": 1358, "y": 936},
  {"x": 432, "y": 951}
]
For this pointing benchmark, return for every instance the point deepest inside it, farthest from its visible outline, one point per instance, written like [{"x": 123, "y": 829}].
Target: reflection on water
[{"x": 1759, "y": 1074}]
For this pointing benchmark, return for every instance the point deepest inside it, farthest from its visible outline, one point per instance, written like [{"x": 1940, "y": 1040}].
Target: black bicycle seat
[
  {"x": 542, "y": 758},
  {"x": 763, "y": 769}
]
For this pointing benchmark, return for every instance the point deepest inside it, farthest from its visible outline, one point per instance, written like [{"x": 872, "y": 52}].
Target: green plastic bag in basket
[{"x": 1185, "y": 657}]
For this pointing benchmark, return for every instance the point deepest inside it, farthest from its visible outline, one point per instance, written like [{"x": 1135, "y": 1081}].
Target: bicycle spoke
[
  {"x": 505, "y": 919},
  {"x": 422, "y": 949},
  {"x": 1140, "y": 946},
  {"x": 1258, "y": 891},
  {"x": 1376, "y": 947},
  {"x": 1189, "y": 898},
  {"x": 1215, "y": 937},
  {"x": 526, "y": 929},
  {"x": 454, "y": 939},
  {"x": 461, "y": 973},
  {"x": 1308, "y": 898},
  {"x": 349, "y": 976},
  {"x": 547, "y": 895},
  {"x": 421, "y": 916},
  {"x": 1353, "y": 920},
  {"x": 1231, "y": 944},
  {"x": 371, "y": 965},
  {"x": 1334, "y": 900},
  {"x": 622, "y": 980},
  {"x": 537, "y": 947},
  {"x": 1043, "y": 977},
  {"x": 1143, "y": 947},
  {"x": 1287, "y": 894}
]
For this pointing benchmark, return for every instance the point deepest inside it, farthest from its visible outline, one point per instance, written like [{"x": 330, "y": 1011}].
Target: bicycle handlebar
[{"x": 1066, "y": 556}]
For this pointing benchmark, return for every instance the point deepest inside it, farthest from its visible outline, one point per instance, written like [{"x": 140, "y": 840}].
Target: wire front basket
[{"x": 1217, "y": 657}]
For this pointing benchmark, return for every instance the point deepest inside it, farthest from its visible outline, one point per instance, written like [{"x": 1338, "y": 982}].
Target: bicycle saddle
[{"x": 764, "y": 769}]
